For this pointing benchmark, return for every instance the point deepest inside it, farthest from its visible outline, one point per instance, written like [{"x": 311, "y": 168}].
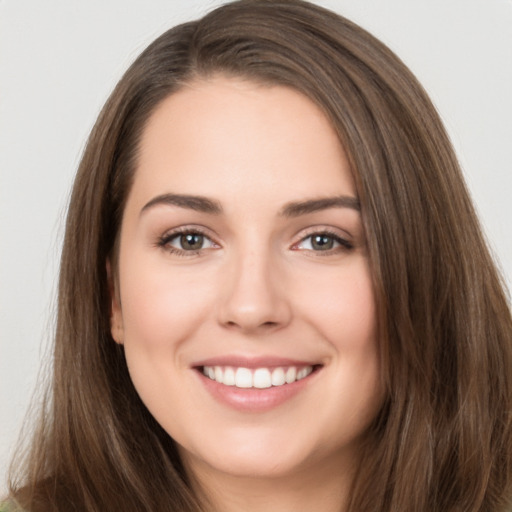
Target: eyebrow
[
  {"x": 197, "y": 203},
  {"x": 293, "y": 209}
]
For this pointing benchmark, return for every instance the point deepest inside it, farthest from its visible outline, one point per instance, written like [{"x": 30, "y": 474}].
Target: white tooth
[
  {"x": 278, "y": 377},
  {"x": 218, "y": 373},
  {"x": 261, "y": 378},
  {"x": 229, "y": 376},
  {"x": 291, "y": 374},
  {"x": 205, "y": 371},
  {"x": 211, "y": 372},
  {"x": 304, "y": 372},
  {"x": 243, "y": 378}
]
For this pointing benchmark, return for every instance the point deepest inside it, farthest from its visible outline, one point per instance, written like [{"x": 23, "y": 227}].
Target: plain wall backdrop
[{"x": 59, "y": 60}]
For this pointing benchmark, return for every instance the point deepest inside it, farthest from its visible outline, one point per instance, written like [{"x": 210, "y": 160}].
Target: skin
[{"x": 257, "y": 287}]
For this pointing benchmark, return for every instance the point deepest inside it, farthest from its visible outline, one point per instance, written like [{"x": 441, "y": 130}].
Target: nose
[{"x": 254, "y": 299}]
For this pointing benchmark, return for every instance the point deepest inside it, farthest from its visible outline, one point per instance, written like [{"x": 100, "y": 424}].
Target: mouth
[
  {"x": 255, "y": 385},
  {"x": 258, "y": 378}
]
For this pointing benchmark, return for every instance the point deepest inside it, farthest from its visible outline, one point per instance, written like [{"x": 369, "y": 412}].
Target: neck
[{"x": 322, "y": 489}]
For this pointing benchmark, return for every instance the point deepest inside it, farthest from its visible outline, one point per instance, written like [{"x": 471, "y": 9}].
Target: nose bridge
[{"x": 254, "y": 297}]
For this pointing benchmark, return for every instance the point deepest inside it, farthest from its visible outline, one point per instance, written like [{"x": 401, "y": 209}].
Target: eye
[
  {"x": 189, "y": 241},
  {"x": 324, "y": 242}
]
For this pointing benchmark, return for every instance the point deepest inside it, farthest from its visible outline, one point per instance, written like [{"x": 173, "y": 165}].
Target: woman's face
[{"x": 243, "y": 257}]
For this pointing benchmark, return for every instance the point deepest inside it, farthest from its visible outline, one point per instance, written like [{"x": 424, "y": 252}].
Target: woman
[{"x": 274, "y": 292}]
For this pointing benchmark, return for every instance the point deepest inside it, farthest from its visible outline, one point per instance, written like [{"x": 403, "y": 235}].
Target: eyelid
[{"x": 187, "y": 228}]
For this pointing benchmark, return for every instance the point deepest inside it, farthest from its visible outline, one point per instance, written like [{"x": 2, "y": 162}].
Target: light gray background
[{"x": 59, "y": 59}]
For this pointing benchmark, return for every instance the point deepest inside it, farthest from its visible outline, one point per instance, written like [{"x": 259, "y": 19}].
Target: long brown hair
[{"x": 443, "y": 438}]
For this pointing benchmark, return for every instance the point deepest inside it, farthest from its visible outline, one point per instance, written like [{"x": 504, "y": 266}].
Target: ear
[{"x": 116, "y": 314}]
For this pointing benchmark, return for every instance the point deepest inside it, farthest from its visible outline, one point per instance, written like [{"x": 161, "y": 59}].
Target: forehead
[{"x": 228, "y": 136}]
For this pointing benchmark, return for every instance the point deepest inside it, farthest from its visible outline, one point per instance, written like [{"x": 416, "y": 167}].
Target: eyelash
[
  {"x": 344, "y": 244},
  {"x": 165, "y": 240}
]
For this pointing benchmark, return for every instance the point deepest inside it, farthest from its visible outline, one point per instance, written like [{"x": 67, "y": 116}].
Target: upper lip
[{"x": 253, "y": 362}]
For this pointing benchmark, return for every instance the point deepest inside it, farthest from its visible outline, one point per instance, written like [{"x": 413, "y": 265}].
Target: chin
[{"x": 253, "y": 454}]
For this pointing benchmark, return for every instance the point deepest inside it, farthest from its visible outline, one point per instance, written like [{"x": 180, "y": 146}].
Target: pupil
[
  {"x": 322, "y": 242},
  {"x": 191, "y": 241}
]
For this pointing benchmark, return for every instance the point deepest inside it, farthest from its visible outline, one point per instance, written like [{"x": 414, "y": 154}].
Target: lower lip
[{"x": 254, "y": 399}]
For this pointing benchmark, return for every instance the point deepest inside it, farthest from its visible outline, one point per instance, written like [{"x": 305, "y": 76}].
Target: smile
[
  {"x": 255, "y": 384},
  {"x": 259, "y": 378}
]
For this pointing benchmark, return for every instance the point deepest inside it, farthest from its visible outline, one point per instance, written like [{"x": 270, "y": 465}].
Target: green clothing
[{"x": 9, "y": 507}]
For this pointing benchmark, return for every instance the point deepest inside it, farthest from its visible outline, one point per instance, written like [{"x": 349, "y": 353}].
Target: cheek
[
  {"x": 342, "y": 308},
  {"x": 161, "y": 308},
  {"x": 341, "y": 304}
]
